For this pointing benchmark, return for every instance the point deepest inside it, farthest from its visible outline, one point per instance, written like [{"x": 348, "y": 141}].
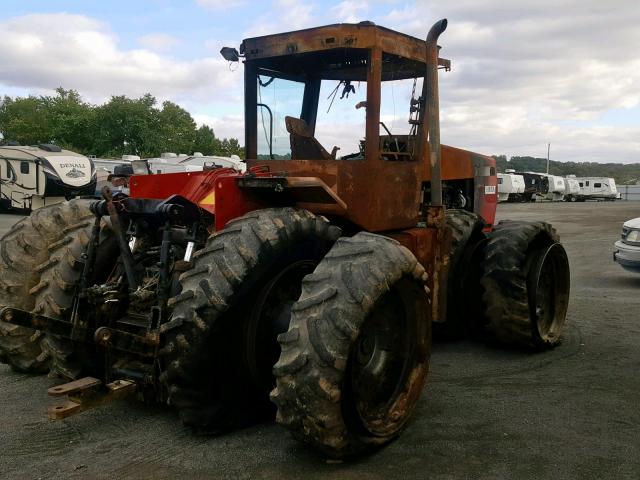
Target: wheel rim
[
  {"x": 548, "y": 283},
  {"x": 388, "y": 361},
  {"x": 270, "y": 317}
]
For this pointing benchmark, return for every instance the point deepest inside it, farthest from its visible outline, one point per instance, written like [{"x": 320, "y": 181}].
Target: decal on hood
[{"x": 75, "y": 173}]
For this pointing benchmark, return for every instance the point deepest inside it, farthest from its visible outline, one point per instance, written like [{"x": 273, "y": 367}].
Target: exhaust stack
[{"x": 431, "y": 120}]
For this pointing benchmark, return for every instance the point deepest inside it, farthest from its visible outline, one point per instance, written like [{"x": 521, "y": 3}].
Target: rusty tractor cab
[
  {"x": 386, "y": 182},
  {"x": 304, "y": 288}
]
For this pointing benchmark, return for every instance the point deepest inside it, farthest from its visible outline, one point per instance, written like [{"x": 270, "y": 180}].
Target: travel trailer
[
  {"x": 536, "y": 186},
  {"x": 595, "y": 188},
  {"x": 34, "y": 176},
  {"x": 510, "y": 187},
  {"x": 556, "y": 189},
  {"x": 171, "y": 163},
  {"x": 106, "y": 166},
  {"x": 571, "y": 188}
]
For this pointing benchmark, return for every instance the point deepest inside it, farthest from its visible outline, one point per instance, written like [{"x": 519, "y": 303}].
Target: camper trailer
[
  {"x": 595, "y": 188},
  {"x": 172, "y": 163},
  {"x": 571, "y": 188},
  {"x": 536, "y": 186},
  {"x": 34, "y": 176},
  {"x": 556, "y": 189},
  {"x": 510, "y": 187},
  {"x": 106, "y": 166}
]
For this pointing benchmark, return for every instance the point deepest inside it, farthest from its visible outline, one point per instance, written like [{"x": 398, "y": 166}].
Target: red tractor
[{"x": 306, "y": 287}]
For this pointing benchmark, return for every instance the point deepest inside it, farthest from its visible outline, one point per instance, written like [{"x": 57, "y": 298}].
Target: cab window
[
  {"x": 341, "y": 123},
  {"x": 277, "y": 100}
]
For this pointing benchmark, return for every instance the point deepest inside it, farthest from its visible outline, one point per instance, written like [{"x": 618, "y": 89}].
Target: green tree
[
  {"x": 230, "y": 147},
  {"x": 206, "y": 142},
  {"x": 25, "y": 120},
  {"x": 177, "y": 129},
  {"x": 125, "y": 126},
  {"x": 70, "y": 120},
  {"x": 120, "y": 126}
]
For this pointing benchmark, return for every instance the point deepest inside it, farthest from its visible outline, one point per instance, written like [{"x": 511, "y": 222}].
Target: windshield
[
  {"x": 277, "y": 99},
  {"x": 342, "y": 117}
]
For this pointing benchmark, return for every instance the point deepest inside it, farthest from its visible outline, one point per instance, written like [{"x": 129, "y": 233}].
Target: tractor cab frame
[{"x": 389, "y": 184}]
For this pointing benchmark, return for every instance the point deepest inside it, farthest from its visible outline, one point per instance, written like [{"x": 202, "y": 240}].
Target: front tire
[{"x": 355, "y": 358}]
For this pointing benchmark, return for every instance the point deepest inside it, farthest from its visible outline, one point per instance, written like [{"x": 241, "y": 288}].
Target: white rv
[
  {"x": 571, "y": 188},
  {"x": 106, "y": 166},
  {"x": 34, "y": 176},
  {"x": 556, "y": 188},
  {"x": 510, "y": 187},
  {"x": 172, "y": 163},
  {"x": 595, "y": 188}
]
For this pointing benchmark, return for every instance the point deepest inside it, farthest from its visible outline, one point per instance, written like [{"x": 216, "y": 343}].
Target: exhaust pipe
[{"x": 432, "y": 110}]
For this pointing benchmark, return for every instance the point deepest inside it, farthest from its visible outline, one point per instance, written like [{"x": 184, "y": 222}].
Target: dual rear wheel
[
  {"x": 345, "y": 321},
  {"x": 510, "y": 286}
]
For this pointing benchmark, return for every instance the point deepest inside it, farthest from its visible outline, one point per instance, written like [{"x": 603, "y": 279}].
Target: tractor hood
[{"x": 73, "y": 170}]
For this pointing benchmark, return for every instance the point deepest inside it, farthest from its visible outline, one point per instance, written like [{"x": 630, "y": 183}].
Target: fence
[{"x": 630, "y": 192}]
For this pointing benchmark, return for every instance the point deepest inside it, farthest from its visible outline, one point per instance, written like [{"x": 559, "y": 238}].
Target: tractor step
[{"x": 87, "y": 393}]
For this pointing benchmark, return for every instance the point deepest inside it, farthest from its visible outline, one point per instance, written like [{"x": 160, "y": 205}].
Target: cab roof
[{"x": 337, "y": 52}]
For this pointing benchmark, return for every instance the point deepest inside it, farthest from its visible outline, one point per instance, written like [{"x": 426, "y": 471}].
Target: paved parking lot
[{"x": 486, "y": 413}]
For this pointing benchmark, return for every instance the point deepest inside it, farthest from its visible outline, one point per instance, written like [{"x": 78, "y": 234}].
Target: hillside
[{"x": 622, "y": 173}]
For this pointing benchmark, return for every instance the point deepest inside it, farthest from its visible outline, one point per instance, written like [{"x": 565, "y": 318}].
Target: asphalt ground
[{"x": 486, "y": 413}]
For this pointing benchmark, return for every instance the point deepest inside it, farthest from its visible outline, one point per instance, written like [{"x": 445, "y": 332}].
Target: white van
[
  {"x": 34, "y": 176},
  {"x": 510, "y": 187},
  {"x": 595, "y": 188}
]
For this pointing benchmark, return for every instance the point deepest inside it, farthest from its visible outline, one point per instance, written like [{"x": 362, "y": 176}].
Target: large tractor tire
[
  {"x": 22, "y": 249},
  {"x": 221, "y": 343},
  {"x": 464, "y": 295},
  {"x": 54, "y": 295},
  {"x": 355, "y": 358},
  {"x": 526, "y": 285}
]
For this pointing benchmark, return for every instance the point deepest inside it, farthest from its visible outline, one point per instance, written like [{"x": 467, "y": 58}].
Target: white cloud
[
  {"x": 528, "y": 73},
  {"x": 350, "y": 11},
  {"x": 220, "y": 4},
  {"x": 524, "y": 73},
  {"x": 158, "y": 41},
  {"x": 224, "y": 126},
  {"x": 44, "y": 51},
  {"x": 284, "y": 16}
]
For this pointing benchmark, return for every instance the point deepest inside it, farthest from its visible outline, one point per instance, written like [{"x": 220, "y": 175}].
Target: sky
[{"x": 525, "y": 73}]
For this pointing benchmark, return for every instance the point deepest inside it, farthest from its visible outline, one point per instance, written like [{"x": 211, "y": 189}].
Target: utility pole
[{"x": 548, "y": 150}]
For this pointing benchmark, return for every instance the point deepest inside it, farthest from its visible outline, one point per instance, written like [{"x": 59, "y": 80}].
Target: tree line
[
  {"x": 121, "y": 126},
  {"x": 622, "y": 173}
]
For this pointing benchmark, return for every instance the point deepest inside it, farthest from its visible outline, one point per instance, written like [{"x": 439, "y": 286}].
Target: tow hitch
[{"x": 87, "y": 393}]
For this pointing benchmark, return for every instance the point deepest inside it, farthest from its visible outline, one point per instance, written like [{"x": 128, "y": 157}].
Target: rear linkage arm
[{"x": 174, "y": 210}]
